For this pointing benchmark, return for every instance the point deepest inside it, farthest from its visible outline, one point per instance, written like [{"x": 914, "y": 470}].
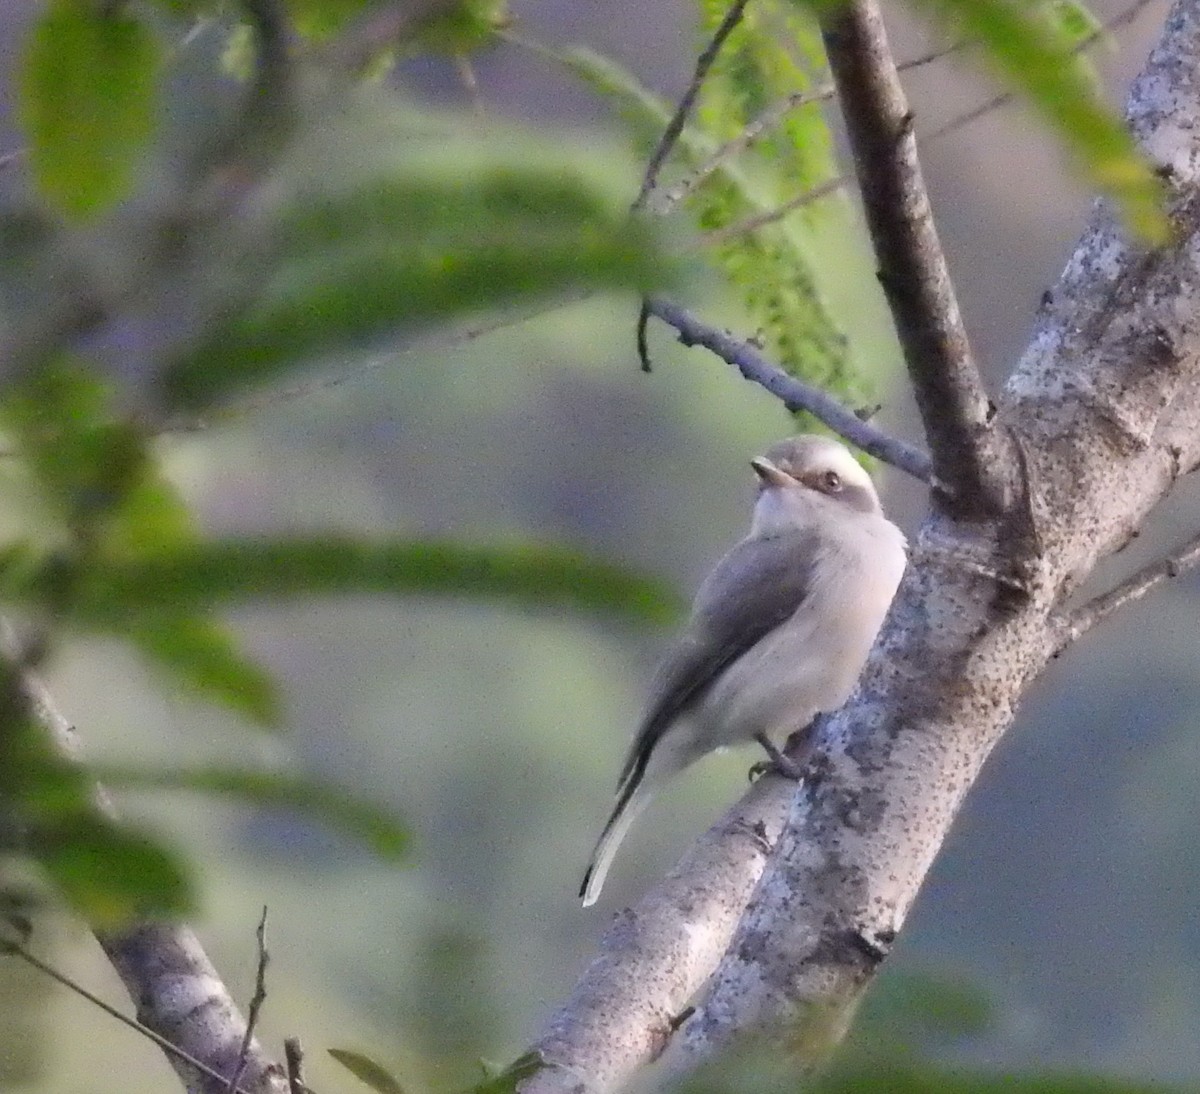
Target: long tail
[{"x": 633, "y": 798}]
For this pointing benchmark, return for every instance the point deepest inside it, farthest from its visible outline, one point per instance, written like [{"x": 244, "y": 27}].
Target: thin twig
[
  {"x": 770, "y": 216},
  {"x": 441, "y": 341},
  {"x": 795, "y": 394},
  {"x": 16, "y": 949},
  {"x": 947, "y": 385},
  {"x": 293, "y": 1054},
  {"x": 767, "y": 120},
  {"x": 256, "y": 1002},
  {"x": 643, "y": 341},
  {"x": 1076, "y": 624},
  {"x": 675, "y": 126}
]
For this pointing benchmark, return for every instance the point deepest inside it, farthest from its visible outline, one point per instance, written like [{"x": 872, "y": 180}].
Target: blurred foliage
[
  {"x": 771, "y": 268},
  {"x": 314, "y": 215},
  {"x": 775, "y": 52},
  {"x": 1034, "y": 46},
  {"x": 87, "y": 96},
  {"x": 268, "y": 240},
  {"x": 362, "y": 1067}
]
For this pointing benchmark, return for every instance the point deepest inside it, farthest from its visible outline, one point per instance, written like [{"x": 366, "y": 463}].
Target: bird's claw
[{"x": 776, "y": 763}]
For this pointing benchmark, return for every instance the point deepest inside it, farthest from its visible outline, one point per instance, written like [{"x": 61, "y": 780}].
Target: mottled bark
[{"x": 1103, "y": 412}]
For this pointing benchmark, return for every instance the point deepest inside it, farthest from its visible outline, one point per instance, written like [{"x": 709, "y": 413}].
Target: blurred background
[{"x": 1067, "y": 891}]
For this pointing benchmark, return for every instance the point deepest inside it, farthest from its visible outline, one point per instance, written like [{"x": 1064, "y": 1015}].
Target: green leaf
[
  {"x": 507, "y": 1081},
  {"x": 365, "y": 245},
  {"x": 203, "y": 658},
  {"x": 376, "y": 1076},
  {"x": 95, "y": 472},
  {"x": 1033, "y": 50},
  {"x": 110, "y": 874},
  {"x": 772, "y": 268},
  {"x": 373, "y": 826},
  {"x": 1074, "y": 20},
  {"x": 109, "y": 595},
  {"x": 86, "y": 91}
]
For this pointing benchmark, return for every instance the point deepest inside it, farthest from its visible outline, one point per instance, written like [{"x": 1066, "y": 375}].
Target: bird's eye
[{"x": 831, "y": 482}]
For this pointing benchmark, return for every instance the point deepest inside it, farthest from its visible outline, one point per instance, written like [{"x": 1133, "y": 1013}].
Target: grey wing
[{"x": 753, "y": 589}]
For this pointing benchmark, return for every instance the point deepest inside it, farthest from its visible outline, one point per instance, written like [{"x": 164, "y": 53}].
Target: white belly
[{"x": 810, "y": 663}]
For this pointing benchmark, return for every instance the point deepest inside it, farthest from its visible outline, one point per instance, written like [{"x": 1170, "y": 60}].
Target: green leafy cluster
[
  {"x": 1035, "y": 47},
  {"x": 774, "y": 52},
  {"x": 337, "y": 222},
  {"x": 770, "y": 55}
]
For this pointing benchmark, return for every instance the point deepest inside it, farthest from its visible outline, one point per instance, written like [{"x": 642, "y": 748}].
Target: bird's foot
[{"x": 776, "y": 762}]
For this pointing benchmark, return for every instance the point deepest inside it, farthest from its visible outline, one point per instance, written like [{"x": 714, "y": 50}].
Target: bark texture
[
  {"x": 1103, "y": 412},
  {"x": 174, "y": 986},
  {"x": 1104, "y": 409}
]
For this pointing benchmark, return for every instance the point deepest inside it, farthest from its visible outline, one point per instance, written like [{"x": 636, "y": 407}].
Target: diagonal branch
[
  {"x": 675, "y": 126},
  {"x": 1077, "y": 623},
  {"x": 794, "y": 394},
  {"x": 949, "y": 391},
  {"x": 180, "y": 997}
]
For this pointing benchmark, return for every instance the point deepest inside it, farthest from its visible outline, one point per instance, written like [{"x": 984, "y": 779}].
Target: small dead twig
[
  {"x": 794, "y": 394},
  {"x": 678, "y": 119},
  {"x": 293, "y": 1054},
  {"x": 256, "y": 1001},
  {"x": 18, "y": 949},
  {"x": 1077, "y": 623}
]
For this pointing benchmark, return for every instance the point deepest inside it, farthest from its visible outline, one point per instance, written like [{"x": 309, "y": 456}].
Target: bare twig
[
  {"x": 946, "y": 383},
  {"x": 675, "y": 126},
  {"x": 771, "y": 216},
  {"x": 1078, "y": 622},
  {"x": 766, "y": 121},
  {"x": 256, "y": 1001},
  {"x": 794, "y": 394},
  {"x": 643, "y": 341},
  {"x": 17, "y": 949},
  {"x": 293, "y": 1054}
]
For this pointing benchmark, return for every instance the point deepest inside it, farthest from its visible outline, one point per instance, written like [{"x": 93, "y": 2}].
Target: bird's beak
[{"x": 770, "y": 475}]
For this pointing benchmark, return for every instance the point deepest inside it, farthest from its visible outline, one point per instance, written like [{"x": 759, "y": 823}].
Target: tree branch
[
  {"x": 178, "y": 994},
  {"x": 1104, "y": 409},
  {"x": 1076, "y": 624},
  {"x": 675, "y": 126},
  {"x": 9, "y": 947},
  {"x": 794, "y": 394},
  {"x": 912, "y": 268},
  {"x": 657, "y": 954}
]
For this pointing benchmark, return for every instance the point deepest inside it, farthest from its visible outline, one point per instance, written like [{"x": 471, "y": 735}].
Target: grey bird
[{"x": 779, "y": 630}]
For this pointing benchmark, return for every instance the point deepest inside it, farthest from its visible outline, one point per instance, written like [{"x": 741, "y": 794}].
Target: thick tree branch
[
  {"x": 794, "y": 394},
  {"x": 1074, "y": 625},
  {"x": 657, "y": 954},
  {"x": 912, "y": 268},
  {"x": 1104, "y": 410}
]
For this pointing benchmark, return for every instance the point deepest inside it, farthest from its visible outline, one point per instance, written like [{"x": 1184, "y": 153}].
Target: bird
[{"x": 779, "y": 630}]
